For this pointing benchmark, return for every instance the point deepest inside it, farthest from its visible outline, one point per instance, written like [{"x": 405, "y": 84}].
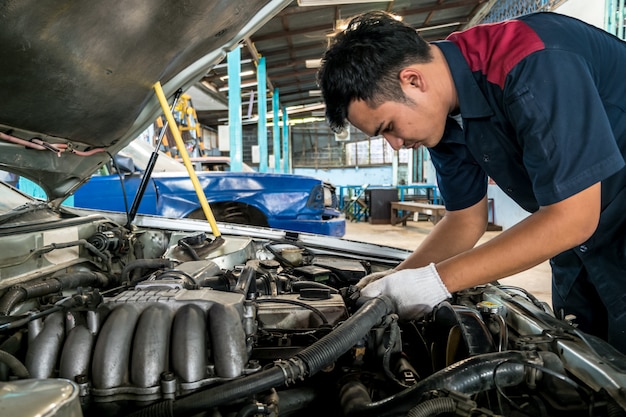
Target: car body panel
[{"x": 283, "y": 199}]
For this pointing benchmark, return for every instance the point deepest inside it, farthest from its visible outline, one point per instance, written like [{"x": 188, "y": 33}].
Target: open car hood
[{"x": 77, "y": 78}]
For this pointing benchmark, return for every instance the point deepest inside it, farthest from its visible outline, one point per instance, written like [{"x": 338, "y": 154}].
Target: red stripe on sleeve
[{"x": 494, "y": 49}]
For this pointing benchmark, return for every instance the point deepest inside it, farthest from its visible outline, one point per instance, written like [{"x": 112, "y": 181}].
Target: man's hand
[
  {"x": 368, "y": 279},
  {"x": 414, "y": 291}
]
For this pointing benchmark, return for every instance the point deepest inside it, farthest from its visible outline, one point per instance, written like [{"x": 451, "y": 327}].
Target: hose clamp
[{"x": 293, "y": 370}]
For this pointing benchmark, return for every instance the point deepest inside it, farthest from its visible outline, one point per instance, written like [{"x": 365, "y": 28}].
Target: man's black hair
[{"x": 364, "y": 62}]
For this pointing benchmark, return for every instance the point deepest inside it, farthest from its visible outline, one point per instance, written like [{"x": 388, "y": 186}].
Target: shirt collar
[{"x": 472, "y": 101}]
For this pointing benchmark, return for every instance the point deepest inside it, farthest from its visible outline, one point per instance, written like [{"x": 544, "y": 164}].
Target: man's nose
[{"x": 395, "y": 142}]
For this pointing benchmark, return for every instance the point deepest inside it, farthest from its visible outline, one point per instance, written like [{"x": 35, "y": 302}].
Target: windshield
[
  {"x": 140, "y": 151},
  {"x": 11, "y": 199},
  {"x": 217, "y": 163}
]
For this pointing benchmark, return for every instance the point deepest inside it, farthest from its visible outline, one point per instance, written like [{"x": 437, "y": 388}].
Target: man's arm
[
  {"x": 457, "y": 232},
  {"x": 544, "y": 234}
]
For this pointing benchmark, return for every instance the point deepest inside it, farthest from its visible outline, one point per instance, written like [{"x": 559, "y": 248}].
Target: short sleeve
[{"x": 561, "y": 125}]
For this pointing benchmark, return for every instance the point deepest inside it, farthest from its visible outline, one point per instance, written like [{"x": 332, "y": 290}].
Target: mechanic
[{"x": 539, "y": 105}]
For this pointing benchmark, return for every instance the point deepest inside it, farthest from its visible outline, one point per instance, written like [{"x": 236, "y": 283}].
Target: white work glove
[
  {"x": 368, "y": 279},
  {"x": 414, "y": 291}
]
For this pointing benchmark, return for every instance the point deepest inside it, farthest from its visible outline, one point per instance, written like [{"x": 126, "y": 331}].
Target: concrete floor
[{"x": 536, "y": 280}]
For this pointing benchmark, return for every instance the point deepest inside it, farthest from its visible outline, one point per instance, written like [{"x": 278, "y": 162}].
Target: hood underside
[{"x": 77, "y": 77}]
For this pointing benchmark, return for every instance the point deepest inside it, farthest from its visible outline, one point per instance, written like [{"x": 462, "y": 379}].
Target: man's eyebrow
[{"x": 377, "y": 132}]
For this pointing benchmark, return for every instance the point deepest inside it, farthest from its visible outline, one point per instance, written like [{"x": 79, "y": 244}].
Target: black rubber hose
[
  {"x": 231, "y": 391},
  {"x": 246, "y": 280},
  {"x": 15, "y": 365},
  {"x": 12, "y": 297},
  {"x": 219, "y": 283},
  {"x": 27, "y": 291},
  {"x": 306, "y": 363},
  {"x": 317, "y": 311},
  {"x": 614, "y": 410},
  {"x": 302, "y": 285},
  {"x": 160, "y": 409},
  {"x": 469, "y": 376},
  {"x": 83, "y": 278},
  {"x": 143, "y": 264},
  {"x": 252, "y": 410},
  {"x": 296, "y": 399},
  {"x": 353, "y": 395},
  {"x": 326, "y": 350},
  {"x": 433, "y": 407}
]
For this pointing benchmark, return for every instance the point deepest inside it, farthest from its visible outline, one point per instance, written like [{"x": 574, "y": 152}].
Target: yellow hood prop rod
[{"x": 183, "y": 153}]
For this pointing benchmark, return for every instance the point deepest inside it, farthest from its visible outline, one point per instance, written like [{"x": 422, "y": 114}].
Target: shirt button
[
  {"x": 486, "y": 158},
  {"x": 583, "y": 248},
  {"x": 509, "y": 189}
]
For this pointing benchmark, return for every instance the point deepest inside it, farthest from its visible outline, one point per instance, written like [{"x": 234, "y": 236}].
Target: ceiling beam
[{"x": 403, "y": 12}]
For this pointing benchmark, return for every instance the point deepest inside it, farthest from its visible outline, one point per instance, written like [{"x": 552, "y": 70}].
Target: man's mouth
[{"x": 413, "y": 145}]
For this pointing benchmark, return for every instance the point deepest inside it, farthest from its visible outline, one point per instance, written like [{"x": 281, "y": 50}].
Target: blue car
[{"x": 283, "y": 201}]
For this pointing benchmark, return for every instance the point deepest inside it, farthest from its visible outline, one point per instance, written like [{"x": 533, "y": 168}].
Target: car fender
[{"x": 177, "y": 198}]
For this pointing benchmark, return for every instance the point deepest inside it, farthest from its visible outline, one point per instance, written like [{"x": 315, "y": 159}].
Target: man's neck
[{"x": 440, "y": 71}]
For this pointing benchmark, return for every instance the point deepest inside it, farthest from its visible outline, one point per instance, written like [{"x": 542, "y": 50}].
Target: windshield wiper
[{"x": 29, "y": 207}]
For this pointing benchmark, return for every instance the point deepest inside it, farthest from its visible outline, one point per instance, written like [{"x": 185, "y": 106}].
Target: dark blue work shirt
[
  {"x": 543, "y": 111},
  {"x": 543, "y": 106}
]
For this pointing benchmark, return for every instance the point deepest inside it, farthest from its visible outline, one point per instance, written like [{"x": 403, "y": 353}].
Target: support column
[
  {"x": 235, "y": 129},
  {"x": 420, "y": 164},
  {"x": 286, "y": 152},
  {"x": 262, "y": 111},
  {"x": 620, "y": 20},
  {"x": 276, "y": 129},
  {"x": 394, "y": 169},
  {"x": 409, "y": 166}
]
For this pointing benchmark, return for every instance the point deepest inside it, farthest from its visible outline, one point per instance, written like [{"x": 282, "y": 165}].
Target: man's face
[{"x": 407, "y": 125}]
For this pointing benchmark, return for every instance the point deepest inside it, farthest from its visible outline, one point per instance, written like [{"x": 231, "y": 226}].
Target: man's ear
[{"x": 412, "y": 78}]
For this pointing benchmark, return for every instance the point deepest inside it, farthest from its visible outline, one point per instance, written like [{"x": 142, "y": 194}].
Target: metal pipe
[
  {"x": 76, "y": 355},
  {"x": 149, "y": 358},
  {"x": 112, "y": 353},
  {"x": 42, "y": 354},
  {"x": 189, "y": 356},
  {"x": 229, "y": 340}
]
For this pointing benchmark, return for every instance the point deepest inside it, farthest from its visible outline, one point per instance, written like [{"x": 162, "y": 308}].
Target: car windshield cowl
[{"x": 26, "y": 208}]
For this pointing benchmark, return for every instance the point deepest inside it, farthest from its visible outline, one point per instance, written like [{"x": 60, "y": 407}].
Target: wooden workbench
[{"x": 435, "y": 212}]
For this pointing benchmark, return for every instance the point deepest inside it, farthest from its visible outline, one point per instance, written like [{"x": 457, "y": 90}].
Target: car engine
[{"x": 100, "y": 320}]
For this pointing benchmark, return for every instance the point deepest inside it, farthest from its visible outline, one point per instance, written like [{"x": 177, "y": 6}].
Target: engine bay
[{"x": 109, "y": 321}]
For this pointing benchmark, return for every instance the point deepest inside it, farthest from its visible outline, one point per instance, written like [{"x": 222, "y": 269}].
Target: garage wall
[
  {"x": 507, "y": 213},
  {"x": 379, "y": 175},
  {"x": 590, "y": 11}
]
